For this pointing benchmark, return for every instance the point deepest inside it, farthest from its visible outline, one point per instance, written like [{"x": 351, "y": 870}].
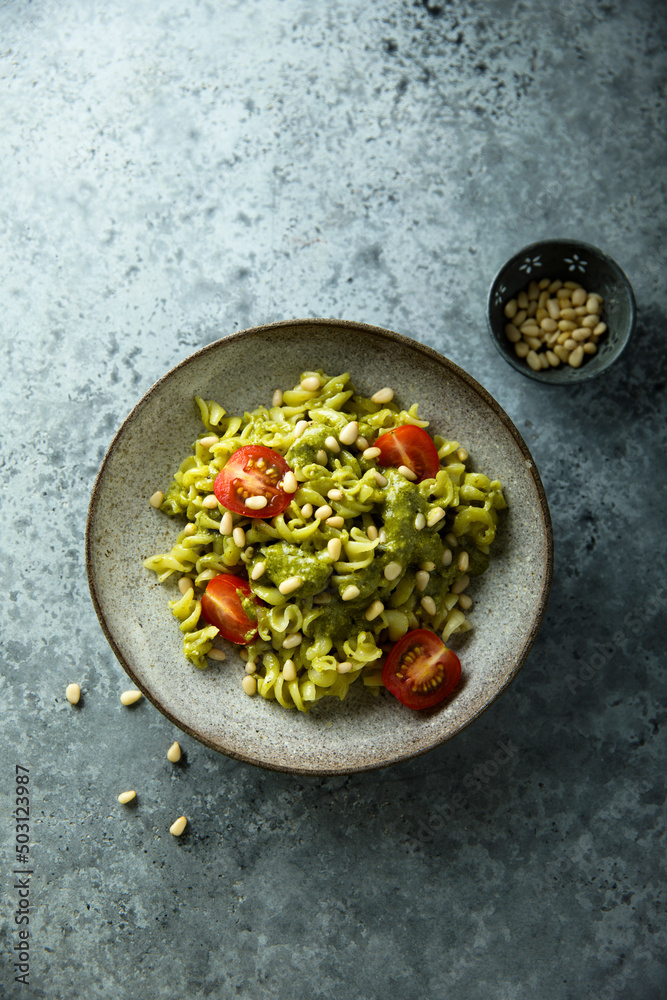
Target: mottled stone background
[{"x": 173, "y": 171}]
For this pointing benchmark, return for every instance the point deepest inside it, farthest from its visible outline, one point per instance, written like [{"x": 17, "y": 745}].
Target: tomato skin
[
  {"x": 242, "y": 473},
  {"x": 221, "y": 606},
  {"x": 411, "y": 446},
  {"x": 411, "y": 682}
]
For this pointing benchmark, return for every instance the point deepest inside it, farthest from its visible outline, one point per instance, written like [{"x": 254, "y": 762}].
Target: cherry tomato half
[
  {"x": 411, "y": 446},
  {"x": 253, "y": 471},
  {"x": 421, "y": 670},
  {"x": 221, "y": 606}
]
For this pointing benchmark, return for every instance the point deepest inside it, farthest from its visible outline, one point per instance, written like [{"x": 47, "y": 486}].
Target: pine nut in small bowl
[{"x": 561, "y": 311}]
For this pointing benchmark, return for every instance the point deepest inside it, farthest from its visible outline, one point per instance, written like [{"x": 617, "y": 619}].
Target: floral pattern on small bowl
[
  {"x": 575, "y": 263},
  {"x": 529, "y": 264}
]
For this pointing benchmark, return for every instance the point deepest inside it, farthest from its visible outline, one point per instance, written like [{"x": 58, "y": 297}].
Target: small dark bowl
[{"x": 567, "y": 260}]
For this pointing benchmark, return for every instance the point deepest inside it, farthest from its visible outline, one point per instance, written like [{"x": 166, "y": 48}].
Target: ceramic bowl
[
  {"x": 241, "y": 372},
  {"x": 567, "y": 260}
]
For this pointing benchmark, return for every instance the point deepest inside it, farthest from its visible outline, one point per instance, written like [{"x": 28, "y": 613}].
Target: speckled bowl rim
[
  {"x": 584, "y": 374},
  {"x": 448, "y": 367}
]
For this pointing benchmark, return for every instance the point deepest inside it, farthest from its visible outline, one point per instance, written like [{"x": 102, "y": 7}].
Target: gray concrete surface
[{"x": 172, "y": 172}]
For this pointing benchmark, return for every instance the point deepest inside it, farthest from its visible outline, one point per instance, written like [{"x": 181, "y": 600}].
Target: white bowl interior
[{"x": 241, "y": 372}]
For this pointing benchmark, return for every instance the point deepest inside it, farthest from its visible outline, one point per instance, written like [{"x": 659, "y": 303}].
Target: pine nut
[
  {"x": 277, "y": 398},
  {"x": 576, "y": 357},
  {"x": 447, "y": 557},
  {"x": 463, "y": 561},
  {"x": 349, "y": 433},
  {"x": 512, "y": 334},
  {"x": 209, "y": 441},
  {"x": 256, "y": 503},
  {"x": 249, "y": 685},
  {"x": 361, "y": 443},
  {"x": 465, "y": 602},
  {"x": 549, "y": 325},
  {"x": 534, "y": 343},
  {"x": 568, "y": 314},
  {"x": 382, "y": 536},
  {"x": 520, "y": 317},
  {"x": 583, "y": 333},
  {"x": 250, "y": 667},
  {"x": 238, "y": 534},
  {"x": 130, "y": 697},
  {"x": 593, "y": 304},
  {"x": 336, "y": 521},
  {"x": 73, "y": 693},
  {"x": 462, "y": 455},
  {"x": 185, "y": 584},
  {"x": 311, "y": 383},
  {"x": 599, "y": 329},
  {"x": 452, "y": 540},
  {"x": 350, "y": 593},
  {"x": 323, "y": 512},
  {"x": 321, "y": 458},
  {"x": 289, "y": 585},
  {"x": 126, "y": 797},
  {"x": 210, "y": 501},
  {"x": 307, "y": 510},
  {"x": 530, "y": 330},
  {"x": 344, "y": 667},
  {"x": 226, "y": 523},
  {"x": 371, "y": 453},
  {"x": 379, "y": 478},
  {"x": 408, "y": 473},
  {"x": 332, "y": 444},
  {"x": 553, "y": 359},
  {"x": 290, "y": 641},
  {"x": 392, "y": 570},
  {"x": 190, "y": 529},
  {"x": 533, "y": 361},
  {"x": 434, "y": 516},
  {"x": 422, "y": 578},
  {"x": 511, "y": 308},
  {"x": 460, "y": 585},
  {"x": 566, "y": 325},
  {"x": 428, "y": 604},
  {"x": 334, "y": 548},
  {"x": 300, "y": 427},
  {"x": 533, "y": 291},
  {"x": 521, "y": 349},
  {"x": 590, "y": 348},
  {"x": 543, "y": 283},
  {"x": 372, "y": 532},
  {"x": 177, "y": 828},
  {"x": 383, "y": 396},
  {"x": 555, "y": 285},
  {"x": 590, "y": 321},
  {"x": 335, "y": 494},
  {"x": 553, "y": 308},
  {"x": 290, "y": 484},
  {"x": 578, "y": 297},
  {"x": 420, "y": 522},
  {"x": 323, "y": 598},
  {"x": 258, "y": 570},
  {"x": 373, "y": 610},
  {"x": 174, "y": 753},
  {"x": 289, "y": 671},
  {"x": 156, "y": 499},
  {"x": 428, "y": 566}
]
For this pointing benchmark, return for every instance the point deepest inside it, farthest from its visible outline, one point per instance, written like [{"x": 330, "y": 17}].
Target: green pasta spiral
[{"x": 400, "y": 550}]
